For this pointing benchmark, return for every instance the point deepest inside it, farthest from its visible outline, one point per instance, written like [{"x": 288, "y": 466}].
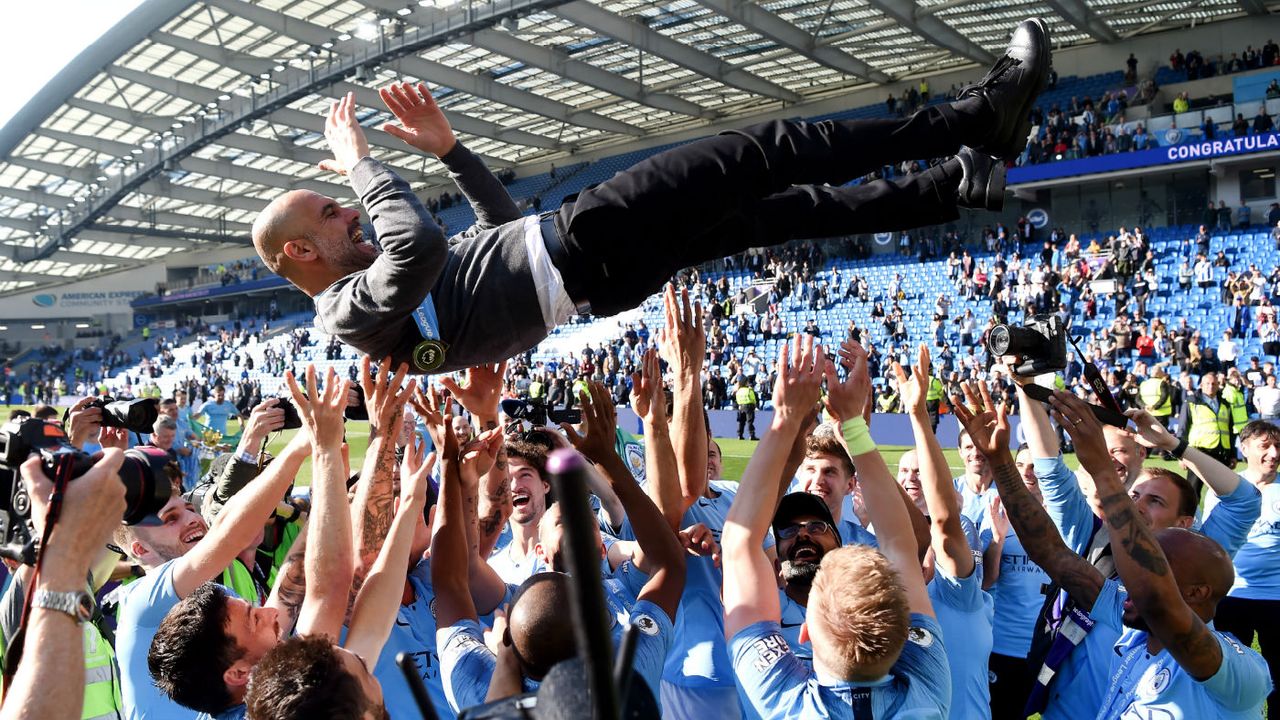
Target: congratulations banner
[{"x": 1184, "y": 152}]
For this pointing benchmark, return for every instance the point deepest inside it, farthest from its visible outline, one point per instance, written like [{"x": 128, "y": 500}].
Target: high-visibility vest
[
  {"x": 536, "y": 389},
  {"x": 240, "y": 580},
  {"x": 101, "y": 678},
  {"x": 744, "y": 396},
  {"x": 102, "y": 699},
  {"x": 1156, "y": 397},
  {"x": 1209, "y": 430},
  {"x": 1234, "y": 396},
  {"x": 936, "y": 390}
]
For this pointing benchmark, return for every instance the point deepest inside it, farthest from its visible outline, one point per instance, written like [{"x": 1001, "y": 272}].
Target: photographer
[
  {"x": 51, "y": 678},
  {"x": 180, "y": 554},
  {"x": 244, "y": 466}
]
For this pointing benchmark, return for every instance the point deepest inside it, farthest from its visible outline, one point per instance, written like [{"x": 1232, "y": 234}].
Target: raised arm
[
  {"x": 880, "y": 492},
  {"x": 424, "y": 126},
  {"x": 413, "y": 246},
  {"x": 682, "y": 341},
  {"x": 481, "y": 394},
  {"x": 1151, "y": 434},
  {"x": 449, "y": 551},
  {"x": 241, "y": 519},
  {"x": 1140, "y": 560},
  {"x": 750, "y": 583},
  {"x": 660, "y": 553},
  {"x": 379, "y": 601},
  {"x": 373, "y": 507},
  {"x": 661, "y": 472},
  {"x": 330, "y": 562},
  {"x": 1042, "y": 441},
  {"x": 988, "y": 426},
  {"x": 950, "y": 546}
]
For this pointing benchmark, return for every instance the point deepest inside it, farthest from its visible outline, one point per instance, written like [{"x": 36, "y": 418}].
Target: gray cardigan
[{"x": 480, "y": 280}]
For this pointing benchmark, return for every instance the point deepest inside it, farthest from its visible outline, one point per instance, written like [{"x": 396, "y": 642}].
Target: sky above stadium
[{"x": 39, "y": 38}]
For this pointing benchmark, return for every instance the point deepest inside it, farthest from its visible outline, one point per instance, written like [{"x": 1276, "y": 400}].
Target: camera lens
[
  {"x": 146, "y": 483},
  {"x": 999, "y": 340}
]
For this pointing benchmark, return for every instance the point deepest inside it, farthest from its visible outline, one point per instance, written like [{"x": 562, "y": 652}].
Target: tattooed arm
[
  {"x": 1140, "y": 560},
  {"x": 494, "y": 507},
  {"x": 373, "y": 508},
  {"x": 291, "y": 585},
  {"x": 989, "y": 429}
]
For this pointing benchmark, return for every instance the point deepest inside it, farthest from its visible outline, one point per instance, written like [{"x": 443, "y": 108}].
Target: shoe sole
[
  {"x": 995, "y": 188},
  {"x": 1046, "y": 61}
]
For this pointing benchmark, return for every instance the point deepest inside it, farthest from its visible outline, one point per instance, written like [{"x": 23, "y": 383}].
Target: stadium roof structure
[{"x": 182, "y": 121}]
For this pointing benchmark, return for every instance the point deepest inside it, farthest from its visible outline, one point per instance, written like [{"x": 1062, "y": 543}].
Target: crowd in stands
[{"x": 1196, "y": 66}]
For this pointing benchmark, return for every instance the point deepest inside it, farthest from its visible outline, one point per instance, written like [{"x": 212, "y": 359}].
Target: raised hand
[
  {"x": 682, "y": 341},
  {"x": 988, "y": 425},
  {"x": 323, "y": 417},
  {"x": 435, "y": 413},
  {"x": 265, "y": 418},
  {"x": 698, "y": 540},
  {"x": 599, "y": 419},
  {"x": 800, "y": 372},
  {"x": 482, "y": 390},
  {"x": 479, "y": 455},
  {"x": 1074, "y": 415},
  {"x": 422, "y": 123},
  {"x": 345, "y": 136},
  {"x": 998, "y": 519},
  {"x": 383, "y": 393},
  {"x": 415, "y": 471},
  {"x": 915, "y": 389},
  {"x": 847, "y": 400},
  {"x": 646, "y": 389},
  {"x": 1150, "y": 433}
]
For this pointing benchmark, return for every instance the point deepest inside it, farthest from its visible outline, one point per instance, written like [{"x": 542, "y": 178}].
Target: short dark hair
[
  {"x": 192, "y": 643},
  {"x": 1189, "y": 500},
  {"x": 44, "y": 412},
  {"x": 1260, "y": 428},
  {"x": 816, "y": 445},
  {"x": 303, "y": 677},
  {"x": 534, "y": 453}
]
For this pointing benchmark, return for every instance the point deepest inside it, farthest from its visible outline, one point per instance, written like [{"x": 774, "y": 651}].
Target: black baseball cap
[{"x": 795, "y": 505}]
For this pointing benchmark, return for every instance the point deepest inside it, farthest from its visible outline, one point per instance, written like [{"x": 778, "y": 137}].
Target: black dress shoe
[
  {"x": 1010, "y": 88},
  {"x": 982, "y": 182}
]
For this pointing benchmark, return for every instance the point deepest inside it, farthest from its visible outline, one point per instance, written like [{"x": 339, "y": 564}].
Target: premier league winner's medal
[{"x": 428, "y": 355}]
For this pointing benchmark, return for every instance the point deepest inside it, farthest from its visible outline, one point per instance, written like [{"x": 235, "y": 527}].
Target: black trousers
[
  {"x": 759, "y": 186},
  {"x": 1011, "y": 681},
  {"x": 747, "y": 420},
  {"x": 1243, "y": 618}
]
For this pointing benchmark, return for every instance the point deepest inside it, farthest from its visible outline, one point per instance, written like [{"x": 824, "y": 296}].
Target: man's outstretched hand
[
  {"x": 422, "y": 124},
  {"x": 346, "y": 137}
]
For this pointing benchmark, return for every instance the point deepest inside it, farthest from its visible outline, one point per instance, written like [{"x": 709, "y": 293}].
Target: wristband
[
  {"x": 857, "y": 436},
  {"x": 1180, "y": 449}
]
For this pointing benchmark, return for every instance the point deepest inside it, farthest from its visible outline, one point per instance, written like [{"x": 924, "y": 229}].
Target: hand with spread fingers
[
  {"x": 599, "y": 420},
  {"x": 415, "y": 471},
  {"x": 322, "y": 417},
  {"x": 345, "y": 136},
  {"x": 479, "y": 455},
  {"x": 422, "y": 123},
  {"x": 800, "y": 371},
  {"x": 435, "y": 412},
  {"x": 682, "y": 341},
  {"x": 988, "y": 426},
  {"x": 384, "y": 394},
  {"x": 481, "y": 391}
]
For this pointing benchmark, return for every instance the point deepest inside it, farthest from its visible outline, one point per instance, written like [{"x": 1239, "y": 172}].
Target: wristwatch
[{"x": 78, "y": 604}]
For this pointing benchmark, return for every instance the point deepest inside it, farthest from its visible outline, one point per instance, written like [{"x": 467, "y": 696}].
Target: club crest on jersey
[
  {"x": 920, "y": 636},
  {"x": 1156, "y": 683},
  {"x": 645, "y": 624}
]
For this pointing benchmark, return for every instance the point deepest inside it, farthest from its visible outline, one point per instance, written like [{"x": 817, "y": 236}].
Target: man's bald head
[
  {"x": 274, "y": 226},
  {"x": 540, "y": 629},
  {"x": 1197, "y": 559},
  {"x": 311, "y": 240}
]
